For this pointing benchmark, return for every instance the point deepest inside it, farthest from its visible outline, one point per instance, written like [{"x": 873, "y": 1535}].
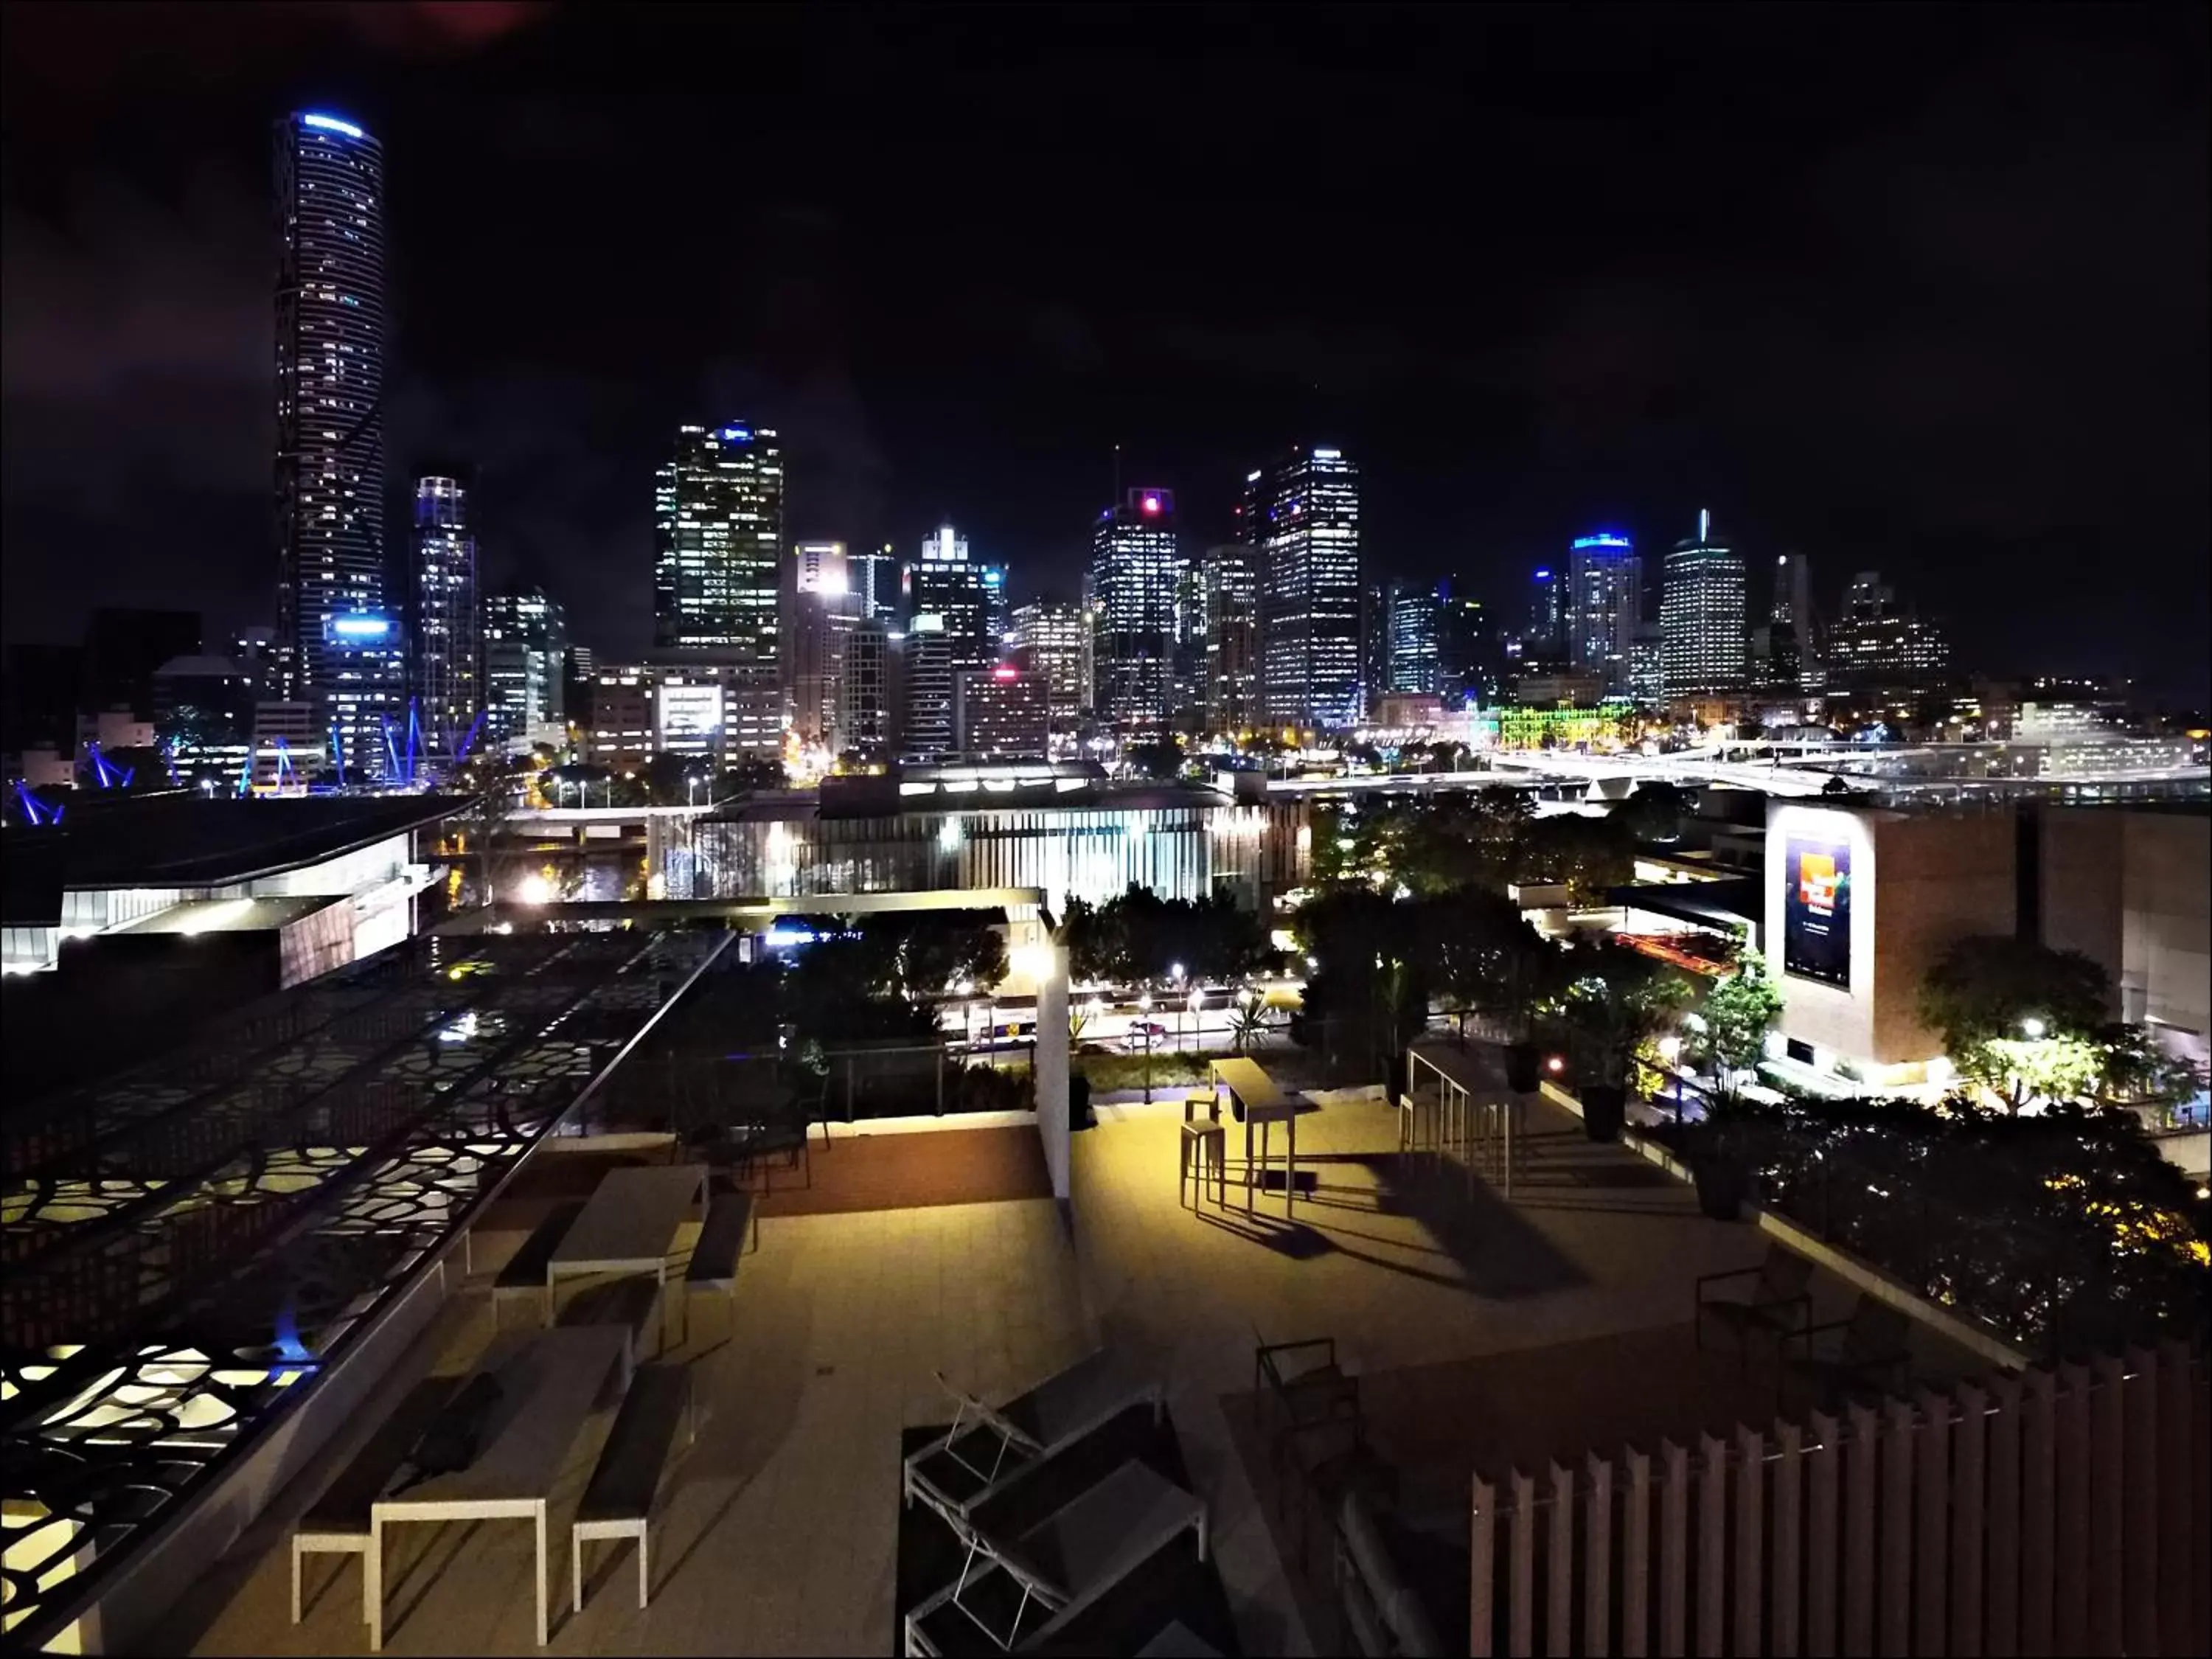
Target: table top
[
  {"x": 1249, "y": 1083},
  {"x": 547, "y": 1393},
  {"x": 630, "y": 1219}
]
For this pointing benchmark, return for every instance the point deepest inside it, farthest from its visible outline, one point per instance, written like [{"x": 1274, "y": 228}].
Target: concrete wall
[
  {"x": 1917, "y": 883},
  {"x": 2133, "y": 891},
  {"x": 1051, "y": 1067}
]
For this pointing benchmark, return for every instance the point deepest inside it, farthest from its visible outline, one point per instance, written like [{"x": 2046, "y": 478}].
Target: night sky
[{"x": 1900, "y": 287}]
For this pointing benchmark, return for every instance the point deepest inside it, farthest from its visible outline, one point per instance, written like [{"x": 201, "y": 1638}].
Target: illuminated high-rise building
[
  {"x": 1054, "y": 641},
  {"x": 448, "y": 616},
  {"x": 1232, "y": 639},
  {"x": 1879, "y": 646},
  {"x": 1545, "y": 635},
  {"x": 1604, "y": 606},
  {"x": 1701, "y": 617},
  {"x": 875, "y": 580},
  {"x": 1303, "y": 513},
  {"x": 819, "y": 609},
  {"x": 968, "y": 596},
  {"x": 1468, "y": 651},
  {"x": 1411, "y": 613},
  {"x": 1793, "y": 607},
  {"x": 1134, "y": 569},
  {"x": 718, "y": 516},
  {"x": 526, "y": 667},
  {"x": 330, "y": 337}
]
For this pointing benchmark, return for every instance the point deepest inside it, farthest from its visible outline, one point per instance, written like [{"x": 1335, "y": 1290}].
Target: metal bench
[
  {"x": 337, "y": 1522},
  {"x": 1779, "y": 1301},
  {"x": 628, "y": 1303},
  {"x": 617, "y": 1500},
  {"x": 714, "y": 1258},
  {"x": 525, "y": 1271}
]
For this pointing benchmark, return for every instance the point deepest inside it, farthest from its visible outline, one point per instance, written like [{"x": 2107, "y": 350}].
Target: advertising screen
[{"x": 1816, "y": 921}]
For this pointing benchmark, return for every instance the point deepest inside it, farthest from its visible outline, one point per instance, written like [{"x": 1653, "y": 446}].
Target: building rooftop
[{"x": 179, "y": 840}]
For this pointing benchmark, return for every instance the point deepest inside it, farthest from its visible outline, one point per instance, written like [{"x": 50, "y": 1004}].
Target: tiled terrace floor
[{"x": 1486, "y": 1330}]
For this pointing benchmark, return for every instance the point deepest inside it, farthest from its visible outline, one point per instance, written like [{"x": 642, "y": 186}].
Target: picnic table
[
  {"x": 627, "y": 1225},
  {"x": 1264, "y": 1105},
  {"x": 548, "y": 1390}
]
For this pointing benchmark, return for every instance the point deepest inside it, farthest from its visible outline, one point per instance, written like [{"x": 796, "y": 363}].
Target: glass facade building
[
  {"x": 969, "y": 597},
  {"x": 1877, "y": 645},
  {"x": 331, "y": 341},
  {"x": 526, "y": 667},
  {"x": 1135, "y": 566},
  {"x": 1467, "y": 650},
  {"x": 1232, "y": 574},
  {"x": 1303, "y": 513},
  {"x": 718, "y": 516},
  {"x": 1604, "y": 606},
  {"x": 1053, "y": 640},
  {"x": 1411, "y": 614},
  {"x": 448, "y": 616},
  {"x": 1702, "y": 635}
]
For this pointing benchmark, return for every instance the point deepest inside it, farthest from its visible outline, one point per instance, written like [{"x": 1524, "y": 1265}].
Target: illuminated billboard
[{"x": 1816, "y": 911}]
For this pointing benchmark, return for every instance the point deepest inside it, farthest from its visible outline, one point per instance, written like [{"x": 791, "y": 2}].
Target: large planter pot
[
  {"x": 1399, "y": 1077},
  {"x": 1605, "y": 1107},
  {"x": 1524, "y": 1067},
  {"x": 1724, "y": 1184}
]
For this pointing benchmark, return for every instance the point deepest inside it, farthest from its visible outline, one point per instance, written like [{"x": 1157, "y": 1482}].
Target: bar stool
[{"x": 1208, "y": 1145}]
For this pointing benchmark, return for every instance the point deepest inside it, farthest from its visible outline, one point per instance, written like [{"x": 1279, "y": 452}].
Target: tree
[
  {"x": 1739, "y": 1010},
  {"x": 1586, "y": 855},
  {"x": 1248, "y": 1021},
  {"x": 2016, "y": 1017},
  {"x": 1614, "y": 999},
  {"x": 1655, "y": 811},
  {"x": 1485, "y": 956},
  {"x": 1162, "y": 759}
]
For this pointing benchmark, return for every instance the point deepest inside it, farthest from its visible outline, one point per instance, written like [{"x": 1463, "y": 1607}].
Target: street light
[
  {"x": 2034, "y": 1029},
  {"x": 1197, "y": 1002}
]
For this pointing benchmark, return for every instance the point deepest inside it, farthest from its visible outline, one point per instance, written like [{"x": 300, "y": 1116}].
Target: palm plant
[{"x": 1248, "y": 1021}]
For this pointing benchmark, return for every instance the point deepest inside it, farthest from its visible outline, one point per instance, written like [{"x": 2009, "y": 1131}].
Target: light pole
[{"x": 1197, "y": 1002}]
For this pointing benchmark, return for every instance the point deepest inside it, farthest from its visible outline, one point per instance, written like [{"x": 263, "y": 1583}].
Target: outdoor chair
[
  {"x": 617, "y": 1500},
  {"x": 1067, "y": 1562},
  {"x": 338, "y": 1521},
  {"x": 1868, "y": 1349},
  {"x": 1307, "y": 1381},
  {"x": 524, "y": 1272},
  {"x": 1780, "y": 1300},
  {"x": 987, "y": 1444}
]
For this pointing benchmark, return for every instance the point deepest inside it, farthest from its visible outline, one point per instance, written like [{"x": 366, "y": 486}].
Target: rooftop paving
[{"x": 1485, "y": 1331}]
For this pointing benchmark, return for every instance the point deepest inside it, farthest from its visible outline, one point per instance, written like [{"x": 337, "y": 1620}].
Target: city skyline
[{"x": 911, "y": 396}]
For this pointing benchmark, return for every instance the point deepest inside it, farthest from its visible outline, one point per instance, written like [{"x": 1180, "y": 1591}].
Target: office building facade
[
  {"x": 1702, "y": 617},
  {"x": 1054, "y": 641},
  {"x": 874, "y": 579},
  {"x": 448, "y": 616},
  {"x": 1135, "y": 564},
  {"x": 1303, "y": 513},
  {"x": 864, "y": 707},
  {"x": 1411, "y": 609},
  {"x": 1231, "y": 574},
  {"x": 1604, "y": 606},
  {"x": 819, "y": 611},
  {"x": 718, "y": 515},
  {"x": 1877, "y": 645},
  {"x": 331, "y": 345},
  {"x": 925, "y": 683},
  {"x": 526, "y": 668},
  {"x": 968, "y": 598},
  {"x": 1468, "y": 651},
  {"x": 1002, "y": 712}
]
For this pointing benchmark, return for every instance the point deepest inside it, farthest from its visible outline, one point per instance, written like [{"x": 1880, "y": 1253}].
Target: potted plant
[{"x": 1720, "y": 1150}]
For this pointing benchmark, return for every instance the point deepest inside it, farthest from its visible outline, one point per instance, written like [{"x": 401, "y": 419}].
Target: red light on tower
[{"x": 1151, "y": 503}]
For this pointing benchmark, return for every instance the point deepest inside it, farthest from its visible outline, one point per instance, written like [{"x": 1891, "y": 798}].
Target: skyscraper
[
  {"x": 1232, "y": 639},
  {"x": 1467, "y": 648},
  {"x": 1303, "y": 513},
  {"x": 1877, "y": 645},
  {"x": 718, "y": 514},
  {"x": 1701, "y": 617},
  {"x": 874, "y": 578},
  {"x": 1134, "y": 566},
  {"x": 525, "y": 666},
  {"x": 448, "y": 616},
  {"x": 330, "y": 387},
  {"x": 1054, "y": 641},
  {"x": 1793, "y": 606},
  {"x": 819, "y": 609},
  {"x": 1412, "y": 629},
  {"x": 971, "y": 597},
  {"x": 1604, "y": 606},
  {"x": 1546, "y": 632}
]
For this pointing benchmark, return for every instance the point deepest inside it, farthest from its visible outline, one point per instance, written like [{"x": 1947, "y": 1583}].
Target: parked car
[{"x": 1146, "y": 1033}]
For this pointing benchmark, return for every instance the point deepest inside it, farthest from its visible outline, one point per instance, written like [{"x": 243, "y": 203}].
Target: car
[{"x": 1144, "y": 1033}]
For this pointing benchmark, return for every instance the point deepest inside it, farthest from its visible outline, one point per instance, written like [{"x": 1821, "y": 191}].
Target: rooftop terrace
[{"x": 1485, "y": 1331}]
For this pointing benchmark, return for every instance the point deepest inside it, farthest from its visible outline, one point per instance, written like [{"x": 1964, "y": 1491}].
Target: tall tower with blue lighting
[{"x": 331, "y": 339}]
